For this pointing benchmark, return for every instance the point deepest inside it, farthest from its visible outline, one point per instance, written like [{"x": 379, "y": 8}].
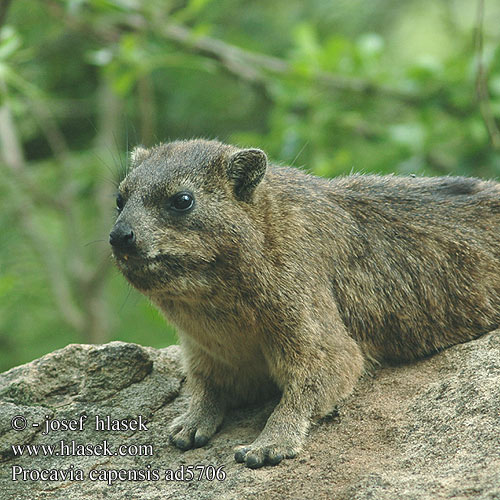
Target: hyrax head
[{"x": 184, "y": 215}]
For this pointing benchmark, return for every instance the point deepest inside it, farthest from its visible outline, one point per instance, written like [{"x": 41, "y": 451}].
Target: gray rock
[{"x": 429, "y": 430}]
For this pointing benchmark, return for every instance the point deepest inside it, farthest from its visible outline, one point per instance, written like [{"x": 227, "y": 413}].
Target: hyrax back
[{"x": 282, "y": 281}]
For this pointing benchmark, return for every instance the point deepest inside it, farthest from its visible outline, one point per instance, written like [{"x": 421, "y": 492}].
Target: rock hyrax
[{"x": 282, "y": 281}]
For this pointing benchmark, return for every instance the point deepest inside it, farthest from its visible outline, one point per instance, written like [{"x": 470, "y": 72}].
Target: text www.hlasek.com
[{"x": 74, "y": 449}]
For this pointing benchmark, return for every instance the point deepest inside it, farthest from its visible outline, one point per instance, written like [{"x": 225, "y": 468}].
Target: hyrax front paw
[
  {"x": 261, "y": 453},
  {"x": 193, "y": 430}
]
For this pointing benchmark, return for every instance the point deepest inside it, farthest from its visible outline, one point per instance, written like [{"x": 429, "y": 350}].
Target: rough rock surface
[{"x": 429, "y": 430}]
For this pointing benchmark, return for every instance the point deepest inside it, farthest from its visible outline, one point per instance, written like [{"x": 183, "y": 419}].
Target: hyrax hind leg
[{"x": 314, "y": 368}]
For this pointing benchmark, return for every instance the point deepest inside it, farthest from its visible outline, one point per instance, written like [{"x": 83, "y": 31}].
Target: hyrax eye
[
  {"x": 120, "y": 202},
  {"x": 182, "y": 202}
]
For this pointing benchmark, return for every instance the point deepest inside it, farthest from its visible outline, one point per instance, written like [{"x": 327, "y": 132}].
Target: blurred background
[{"x": 330, "y": 85}]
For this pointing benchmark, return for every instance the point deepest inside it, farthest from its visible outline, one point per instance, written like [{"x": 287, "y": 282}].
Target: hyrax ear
[
  {"x": 138, "y": 155},
  {"x": 246, "y": 169}
]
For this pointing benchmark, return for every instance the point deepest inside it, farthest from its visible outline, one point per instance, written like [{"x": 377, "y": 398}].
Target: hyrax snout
[{"x": 283, "y": 282}]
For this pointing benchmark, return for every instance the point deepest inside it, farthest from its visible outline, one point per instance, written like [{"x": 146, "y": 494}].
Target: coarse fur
[{"x": 279, "y": 281}]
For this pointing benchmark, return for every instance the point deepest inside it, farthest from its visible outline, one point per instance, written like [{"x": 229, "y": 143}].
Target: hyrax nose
[{"x": 122, "y": 237}]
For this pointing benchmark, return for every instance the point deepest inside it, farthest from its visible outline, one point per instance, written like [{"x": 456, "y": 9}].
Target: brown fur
[{"x": 278, "y": 280}]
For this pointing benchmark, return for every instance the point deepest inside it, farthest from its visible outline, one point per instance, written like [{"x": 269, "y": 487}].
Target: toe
[
  {"x": 240, "y": 453},
  {"x": 200, "y": 440},
  {"x": 183, "y": 439},
  {"x": 254, "y": 460},
  {"x": 255, "y": 456},
  {"x": 274, "y": 458}
]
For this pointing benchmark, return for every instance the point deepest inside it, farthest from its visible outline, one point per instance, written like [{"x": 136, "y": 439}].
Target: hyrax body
[{"x": 282, "y": 281}]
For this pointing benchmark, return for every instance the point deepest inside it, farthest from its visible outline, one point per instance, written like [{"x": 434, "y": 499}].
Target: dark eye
[
  {"x": 182, "y": 202},
  {"x": 120, "y": 202}
]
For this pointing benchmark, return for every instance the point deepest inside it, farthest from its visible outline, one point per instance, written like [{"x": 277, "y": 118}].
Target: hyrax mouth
[
  {"x": 157, "y": 272},
  {"x": 131, "y": 258},
  {"x": 151, "y": 267},
  {"x": 141, "y": 273}
]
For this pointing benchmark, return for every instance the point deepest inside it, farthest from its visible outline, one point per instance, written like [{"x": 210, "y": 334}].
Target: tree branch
[
  {"x": 251, "y": 66},
  {"x": 49, "y": 128},
  {"x": 14, "y": 160}
]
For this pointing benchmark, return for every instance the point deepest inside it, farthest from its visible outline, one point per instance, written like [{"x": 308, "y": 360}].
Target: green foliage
[{"x": 370, "y": 86}]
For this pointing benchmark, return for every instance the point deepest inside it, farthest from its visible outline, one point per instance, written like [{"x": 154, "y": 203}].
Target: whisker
[
  {"x": 117, "y": 156},
  {"x": 109, "y": 180},
  {"x": 116, "y": 173},
  {"x": 299, "y": 153},
  {"x": 126, "y": 299},
  {"x": 94, "y": 241}
]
